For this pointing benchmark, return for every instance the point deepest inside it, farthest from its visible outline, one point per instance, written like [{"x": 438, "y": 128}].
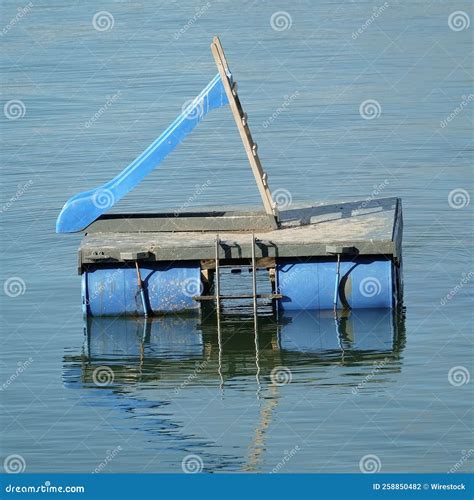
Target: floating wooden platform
[
  {"x": 330, "y": 255},
  {"x": 364, "y": 228}
]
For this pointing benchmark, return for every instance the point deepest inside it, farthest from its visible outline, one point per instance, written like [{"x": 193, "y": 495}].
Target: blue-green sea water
[{"x": 345, "y": 99}]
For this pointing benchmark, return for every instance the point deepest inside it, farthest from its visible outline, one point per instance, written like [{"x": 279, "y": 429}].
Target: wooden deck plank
[{"x": 373, "y": 228}]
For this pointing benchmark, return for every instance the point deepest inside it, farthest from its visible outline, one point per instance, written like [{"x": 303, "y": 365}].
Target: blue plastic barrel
[
  {"x": 112, "y": 291},
  {"x": 364, "y": 284}
]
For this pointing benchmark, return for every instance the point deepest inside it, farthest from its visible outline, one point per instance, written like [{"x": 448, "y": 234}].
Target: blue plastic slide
[{"x": 84, "y": 208}]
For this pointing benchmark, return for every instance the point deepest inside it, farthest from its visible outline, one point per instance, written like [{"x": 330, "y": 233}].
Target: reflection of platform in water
[
  {"x": 170, "y": 369},
  {"x": 363, "y": 330},
  {"x": 165, "y": 337},
  {"x": 231, "y": 347}
]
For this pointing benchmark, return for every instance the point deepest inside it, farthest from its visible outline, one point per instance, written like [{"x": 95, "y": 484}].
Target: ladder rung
[{"x": 244, "y": 296}]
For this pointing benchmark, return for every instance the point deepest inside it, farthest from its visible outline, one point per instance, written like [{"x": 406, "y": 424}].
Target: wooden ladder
[{"x": 241, "y": 121}]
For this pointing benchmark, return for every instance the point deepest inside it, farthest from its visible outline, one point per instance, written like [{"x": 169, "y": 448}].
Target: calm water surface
[{"x": 366, "y": 384}]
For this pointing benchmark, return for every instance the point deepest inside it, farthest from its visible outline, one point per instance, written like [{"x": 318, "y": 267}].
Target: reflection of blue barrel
[
  {"x": 109, "y": 291},
  {"x": 168, "y": 337},
  {"x": 364, "y": 283},
  {"x": 114, "y": 338},
  {"x": 318, "y": 331}
]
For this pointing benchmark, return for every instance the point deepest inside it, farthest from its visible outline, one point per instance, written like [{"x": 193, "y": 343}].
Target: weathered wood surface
[
  {"x": 183, "y": 221},
  {"x": 372, "y": 227},
  {"x": 241, "y": 121}
]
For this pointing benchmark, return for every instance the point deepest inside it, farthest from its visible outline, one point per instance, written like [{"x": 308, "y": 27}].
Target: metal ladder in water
[
  {"x": 218, "y": 296},
  {"x": 261, "y": 179}
]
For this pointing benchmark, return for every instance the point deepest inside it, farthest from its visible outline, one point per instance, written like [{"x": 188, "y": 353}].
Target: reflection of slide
[{"x": 84, "y": 208}]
